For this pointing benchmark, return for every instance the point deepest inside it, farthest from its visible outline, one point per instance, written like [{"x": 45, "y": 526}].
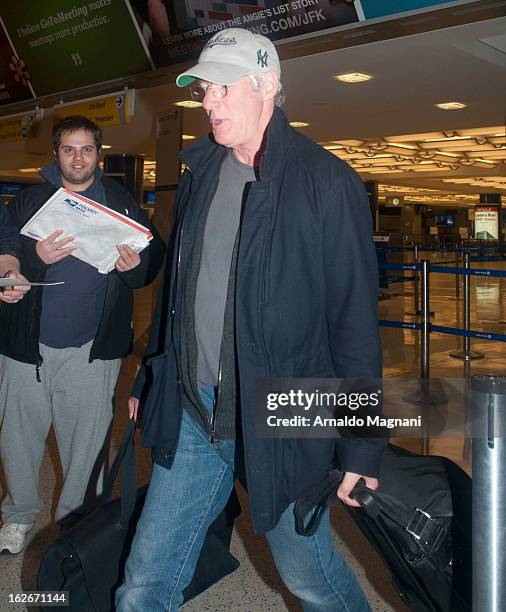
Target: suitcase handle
[{"x": 124, "y": 461}]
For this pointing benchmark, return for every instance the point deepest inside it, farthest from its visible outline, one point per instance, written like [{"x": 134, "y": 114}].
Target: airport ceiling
[{"x": 362, "y": 122}]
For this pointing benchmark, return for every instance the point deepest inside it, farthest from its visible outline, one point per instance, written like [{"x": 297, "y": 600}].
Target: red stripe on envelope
[{"x": 108, "y": 211}]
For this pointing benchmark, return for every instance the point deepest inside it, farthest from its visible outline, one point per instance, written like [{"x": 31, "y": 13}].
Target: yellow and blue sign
[{"x": 105, "y": 111}]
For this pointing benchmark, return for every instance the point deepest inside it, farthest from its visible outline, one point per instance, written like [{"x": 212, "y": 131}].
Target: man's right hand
[
  {"x": 133, "y": 408},
  {"x": 50, "y": 250}
]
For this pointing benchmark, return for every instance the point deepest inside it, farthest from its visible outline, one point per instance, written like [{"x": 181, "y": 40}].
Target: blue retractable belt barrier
[
  {"x": 396, "y": 266},
  {"x": 468, "y": 271},
  {"x": 468, "y": 333},
  {"x": 399, "y": 324}
]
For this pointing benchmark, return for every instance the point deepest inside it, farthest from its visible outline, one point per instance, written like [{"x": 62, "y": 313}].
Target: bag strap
[
  {"x": 315, "y": 504},
  {"x": 124, "y": 461}
]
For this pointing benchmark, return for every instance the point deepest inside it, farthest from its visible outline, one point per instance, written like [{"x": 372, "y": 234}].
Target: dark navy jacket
[
  {"x": 306, "y": 306},
  {"x": 9, "y": 234},
  {"x": 20, "y": 323}
]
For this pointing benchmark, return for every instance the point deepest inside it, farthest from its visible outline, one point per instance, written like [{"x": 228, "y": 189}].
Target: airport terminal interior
[{"x": 416, "y": 105}]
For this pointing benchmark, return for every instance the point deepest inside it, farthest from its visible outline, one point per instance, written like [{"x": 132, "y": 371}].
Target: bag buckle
[
  {"x": 429, "y": 532},
  {"x": 426, "y": 530}
]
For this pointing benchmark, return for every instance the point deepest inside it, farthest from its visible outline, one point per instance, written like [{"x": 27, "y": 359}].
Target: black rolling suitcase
[
  {"x": 418, "y": 520},
  {"x": 88, "y": 559}
]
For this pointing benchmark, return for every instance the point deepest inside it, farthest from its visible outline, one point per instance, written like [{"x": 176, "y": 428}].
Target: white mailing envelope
[{"x": 97, "y": 229}]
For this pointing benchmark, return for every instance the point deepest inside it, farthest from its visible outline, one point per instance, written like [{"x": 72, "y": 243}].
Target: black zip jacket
[
  {"x": 305, "y": 307},
  {"x": 20, "y": 323},
  {"x": 9, "y": 237}
]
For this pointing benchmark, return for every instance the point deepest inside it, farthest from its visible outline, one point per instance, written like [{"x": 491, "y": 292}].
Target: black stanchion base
[
  {"x": 427, "y": 394},
  {"x": 470, "y": 356}
]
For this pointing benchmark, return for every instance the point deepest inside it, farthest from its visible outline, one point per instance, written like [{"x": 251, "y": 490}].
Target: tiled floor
[{"x": 255, "y": 586}]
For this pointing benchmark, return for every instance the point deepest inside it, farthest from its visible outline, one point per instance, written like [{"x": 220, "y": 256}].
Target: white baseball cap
[{"x": 230, "y": 55}]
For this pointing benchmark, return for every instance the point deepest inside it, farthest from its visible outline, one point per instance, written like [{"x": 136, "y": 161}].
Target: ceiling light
[
  {"x": 450, "y": 105},
  {"x": 188, "y": 103},
  {"x": 353, "y": 77},
  {"x": 188, "y": 137},
  {"x": 297, "y": 124},
  {"x": 106, "y": 146},
  {"x": 447, "y": 139}
]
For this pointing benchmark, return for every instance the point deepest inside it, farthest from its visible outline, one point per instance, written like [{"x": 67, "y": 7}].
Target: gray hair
[{"x": 256, "y": 82}]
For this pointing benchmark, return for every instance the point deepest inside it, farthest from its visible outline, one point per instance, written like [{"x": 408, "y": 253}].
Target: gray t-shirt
[{"x": 220, "y": 233}]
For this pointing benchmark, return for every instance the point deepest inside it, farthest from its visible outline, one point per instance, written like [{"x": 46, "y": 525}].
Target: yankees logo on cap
[
  {"x": 262, "y": 58},
  {"x": 231, "y": 55}
]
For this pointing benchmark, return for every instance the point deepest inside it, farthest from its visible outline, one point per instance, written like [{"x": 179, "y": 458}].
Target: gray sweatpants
[{"x": 76, "y": 396}]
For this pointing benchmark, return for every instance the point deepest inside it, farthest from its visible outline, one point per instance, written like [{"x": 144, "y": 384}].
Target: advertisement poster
[
  {"x": 377, "y": 8},
  {"x": 113, "y": 109},
  {"x": 176, "y": 31},
  {"x": 14, "y": 79},
  {"x": 67, "y": 45},
  {"x": 486, "y": 222}
]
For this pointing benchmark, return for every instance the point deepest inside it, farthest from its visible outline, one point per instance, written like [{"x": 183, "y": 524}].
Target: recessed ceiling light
[
  {"x": 188, "y": 137},
  {"x": 188, "y": 103},
  {"x": 106, "y": 146},
  {"x": 450, "y": 105},
  {"x": 297, "y": 124},
  {"x": 353, "y": 77}
]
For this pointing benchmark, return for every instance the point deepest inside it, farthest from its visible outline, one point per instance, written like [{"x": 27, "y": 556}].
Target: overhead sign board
[
  {"x": 66, "y": 45},
  {"x": 176, "y": 31},
  {"x": 486, "y": 222},
  {"x": 105, "y": 111},
  {"x": 53, "y": 46},
  {"x": 18, "y": 127},
  {"x": 14, "y": 86}
]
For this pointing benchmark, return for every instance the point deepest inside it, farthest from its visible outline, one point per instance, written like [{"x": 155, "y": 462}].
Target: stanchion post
[
  {"x": 467, "y": 353},
  {"x": 424, "y": 395},
  {"x": 417, "y": 311},
  {"x": 416, "y": 293},
  {"x": 488, "y": 411},
  {"x": 425, "y": 360},
  {"x": 425, "y": 344},
  {"x": 457, "y": 276}
]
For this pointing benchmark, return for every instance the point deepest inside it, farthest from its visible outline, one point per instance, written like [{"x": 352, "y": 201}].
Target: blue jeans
[{"x": 180, "y": 506}]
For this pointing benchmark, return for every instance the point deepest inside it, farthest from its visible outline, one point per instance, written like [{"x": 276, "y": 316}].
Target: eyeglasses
[
  {"x": 198, "y": 90},
  {"x": 86, "y": 150}
]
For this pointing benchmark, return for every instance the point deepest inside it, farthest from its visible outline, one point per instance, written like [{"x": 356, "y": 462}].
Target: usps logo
[{"x": 80, "y": 207}]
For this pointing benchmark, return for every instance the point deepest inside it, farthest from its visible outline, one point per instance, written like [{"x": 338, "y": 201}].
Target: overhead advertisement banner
[
  {"x": 105, "y": 111},
  {"x": 18, "y": 127},
  {"x": 65, "y": 45},
  {"x": 175, "y": 31},
  {"x": 381, "y": 8},
  {"x": 14, "y": 84},
  {"x": 486, "y": 222}
]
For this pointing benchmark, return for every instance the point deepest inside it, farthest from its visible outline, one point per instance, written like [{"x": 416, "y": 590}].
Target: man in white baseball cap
[
  {"x": 272, "y": 274},
  {"x": 231, "y": 55}
]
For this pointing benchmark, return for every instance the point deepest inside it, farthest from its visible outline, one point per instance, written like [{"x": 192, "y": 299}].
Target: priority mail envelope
[{"x": 97, "y": 228}]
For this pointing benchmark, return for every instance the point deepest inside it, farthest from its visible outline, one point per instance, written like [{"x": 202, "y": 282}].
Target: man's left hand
[
  {"x": 128, "y": 258},
  {"x": 12, "y": 295},
  {"x": 347, "y": 484}
]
